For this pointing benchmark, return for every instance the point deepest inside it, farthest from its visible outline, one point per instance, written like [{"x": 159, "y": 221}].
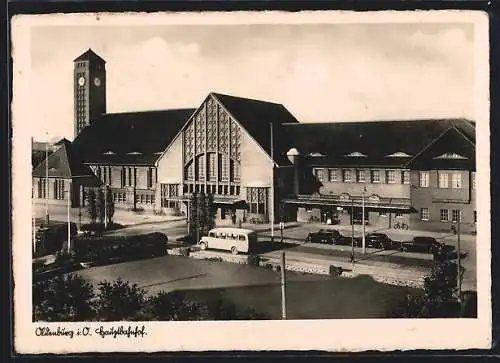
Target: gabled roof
[
  {"x": 256, "y": 116},
  {"x": 378, "y": 140},
  {"x": 133, "y": 138},
  {"x": 89, "y": 55},
  {"x": 452, "y": 150},
  {"x": 63, "y": 163}
]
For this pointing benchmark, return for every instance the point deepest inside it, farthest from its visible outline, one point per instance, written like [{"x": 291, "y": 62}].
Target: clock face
[
  {"x": 81, "y": 81},
  {"x": 97, "y": 81}
]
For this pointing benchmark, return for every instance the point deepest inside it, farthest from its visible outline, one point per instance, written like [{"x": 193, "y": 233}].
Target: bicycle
[{"x": 402, "y": 226}]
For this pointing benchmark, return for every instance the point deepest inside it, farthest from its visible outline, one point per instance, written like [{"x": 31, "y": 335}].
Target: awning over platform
[{"x": 399, "y": 204}]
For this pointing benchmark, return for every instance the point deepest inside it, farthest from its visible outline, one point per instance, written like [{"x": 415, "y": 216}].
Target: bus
[{"x": 235, "y": 240}]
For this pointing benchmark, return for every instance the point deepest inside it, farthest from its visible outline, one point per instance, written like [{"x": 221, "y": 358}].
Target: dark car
[
  {"x": 329, "y": 236},
  {"x": 374, "y": 240},
  {"x": 425, "y": 245}
]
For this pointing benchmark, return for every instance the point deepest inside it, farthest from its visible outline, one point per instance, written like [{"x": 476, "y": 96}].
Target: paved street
[{"x": 294, "y": 235}]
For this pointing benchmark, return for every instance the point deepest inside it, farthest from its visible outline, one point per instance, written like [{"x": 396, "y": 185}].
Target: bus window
[
  {"x": 211, "y": 234},
  {"x": 241, "y": 237},
  {"x": 222, "y": 235}
]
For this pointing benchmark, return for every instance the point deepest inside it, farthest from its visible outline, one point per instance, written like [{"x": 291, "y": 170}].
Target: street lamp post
[
  {"x": 69, "y": 220},
  {"x": 363, "y": 218},
  {"x": 459, "y": 263},
  {"x": 105, "y": 206},
  {"x": 352, "y": 235}
]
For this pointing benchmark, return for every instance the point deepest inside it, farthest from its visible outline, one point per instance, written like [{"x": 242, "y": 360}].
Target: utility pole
[
  {"x": 459, "y": 263},
  {"x": 352, "y": 235},
  {"x": 283, "y": 286},
  {"x": 105, "y": 206},
  {"x": 363, "y": 218},
  {"x": 272, "y": 184},
  {"x": 69, "y": 220}
]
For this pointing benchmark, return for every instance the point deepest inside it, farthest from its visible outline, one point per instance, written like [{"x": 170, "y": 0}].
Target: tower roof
[{"x": 89, "y": 55}]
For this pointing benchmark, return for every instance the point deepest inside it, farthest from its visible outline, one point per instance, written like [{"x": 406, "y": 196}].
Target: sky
[{"x": 320, "y": 72}]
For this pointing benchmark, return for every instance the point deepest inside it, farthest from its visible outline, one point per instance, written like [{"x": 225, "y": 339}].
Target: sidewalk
[{"x": 124, "y": 217}]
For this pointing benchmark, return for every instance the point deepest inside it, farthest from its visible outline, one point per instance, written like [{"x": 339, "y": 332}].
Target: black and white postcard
[{"x": 251, "y": 181}]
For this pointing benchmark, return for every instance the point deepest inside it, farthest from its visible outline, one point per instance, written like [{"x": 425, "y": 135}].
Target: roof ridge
[
  {"x": 147, "y": 111},
  {"x": 374, "y": 121},
  {"x": 246, "y": 98}
]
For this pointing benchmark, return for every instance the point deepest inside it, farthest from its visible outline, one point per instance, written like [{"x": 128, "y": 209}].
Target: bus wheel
[
  {"x": 234, "y": 250},
  {"x": 203, "y": 246}
]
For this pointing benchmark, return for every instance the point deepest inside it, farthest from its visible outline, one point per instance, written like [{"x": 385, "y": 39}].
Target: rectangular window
[
  {"x": 320, "y": 174},
  {"x": 382, "y": 214},
  {"x": 347, "y": 176},
  {"x": 109, "y": 175},
  {"x": 150, "y": 178},
  {"x": 456, "y": 215},
  {"x": 332, "y": 175},
  {"x": 375, "y": 176},
  {"x": 391, "y": 176},
  {"x": 456, "y": 180},
  {"x": 257, "y": 199},
  {"x": 104, "y": 175},
  {"x": 443, "y": 180},
  {"x": 129, "y": 176},
  {"x": 424, "y": 214},
  {"x": 223, "y": 168},
  {"x": 398, "y": 214},
  {"x": 200, "y": 168},
  {"x": 211, "y": 172},
  {"x": 424, "y": 179},
  {"x": 190, "y": 173},
  {"x": 59, "y": 189},
  {"x": 135, "y": 176},
  {"x": 234, "y": 171},
  {"x": 443, "y": 215},
  {"x": 360, "y": 176},
  {"x": 405, "y": 177}
]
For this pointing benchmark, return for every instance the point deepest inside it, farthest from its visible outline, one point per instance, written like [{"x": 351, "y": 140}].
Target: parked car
[
  {"x": 425, "y": 245},
  {"x": 374, "y": 240},
  {"x": 329, "y": 236}
]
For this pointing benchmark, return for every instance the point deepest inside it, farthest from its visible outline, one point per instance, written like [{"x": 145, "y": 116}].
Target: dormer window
[
  {"x": 316, "y": 155},
  {"x": 399, "y": 154},
  {"x": 109, "y": 152},
  {"x": 134, "y": 153},
  {"x": 356, "y": 154},
  {"x": 450, "y": 155}
]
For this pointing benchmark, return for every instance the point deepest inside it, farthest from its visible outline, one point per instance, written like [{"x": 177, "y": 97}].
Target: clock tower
[{"x": 89, "y": 78}]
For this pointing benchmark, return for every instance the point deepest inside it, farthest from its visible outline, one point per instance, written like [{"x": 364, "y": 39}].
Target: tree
[
  {"x": 63, "y": 298},
  {"x": 110, "y": 206},
  {"x": 193, "y": 216},
  {"x": 439, "y": 298},
  {"x": 202, "y": 215},
  {"x": 91, "y": 205},
  {"x": 210, "y": 213},
  {"x": 119, "y": 301},
  {"x": 100, "y": 205}
]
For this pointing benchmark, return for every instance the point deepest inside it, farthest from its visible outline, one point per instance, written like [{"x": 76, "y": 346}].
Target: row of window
[
  {"x": 128, "y": 176},
  {"x": 446, "y": 180},
  {"x": 445, "y": 215},
  {"x": 361, "y": 176},
  {"x": 58, "y": 189},
  {"x": 201, "y": 169},
  {"x": 224, "y": 235},
  {"x": 212, "y": 189}
]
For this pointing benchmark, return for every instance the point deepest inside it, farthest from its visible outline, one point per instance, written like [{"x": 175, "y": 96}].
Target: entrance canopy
[{"x": 218, "y": 200}]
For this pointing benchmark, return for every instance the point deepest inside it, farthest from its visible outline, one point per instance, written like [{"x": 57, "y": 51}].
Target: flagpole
[{"x": 272, "y": 184}]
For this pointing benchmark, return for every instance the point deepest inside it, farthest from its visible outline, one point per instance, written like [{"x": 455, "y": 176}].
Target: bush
[
  {"x": 184, "y": 251},
  {"x": 63, "y": 298},
  {"x": 93, "y": 228},
  {"x": 253, "y": 260},
  {"x": 64, "y": 257},
  {"x": 119, "y": 301},
  {"x": 101, "y": 249},
  {"x": 214, "y": 259},
  {"x": 336, "y": 270}
]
